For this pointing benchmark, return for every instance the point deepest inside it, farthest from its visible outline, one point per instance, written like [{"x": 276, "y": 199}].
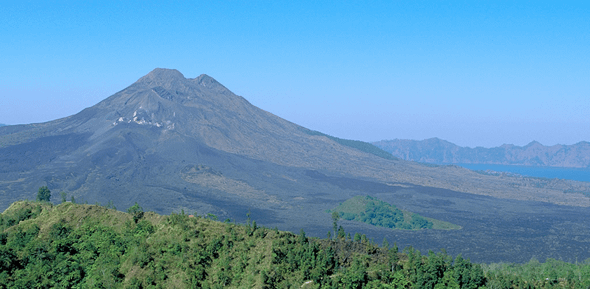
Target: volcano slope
[{"x": 171, "y": 143}]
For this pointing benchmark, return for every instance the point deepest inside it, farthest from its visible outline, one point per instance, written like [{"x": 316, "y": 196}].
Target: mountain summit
[
  {"x": 172, "y": 143},
  {"x": 160, "y": 76},
  {"x": 170, "y": 118},
  {"x": 147, "y": 139}
]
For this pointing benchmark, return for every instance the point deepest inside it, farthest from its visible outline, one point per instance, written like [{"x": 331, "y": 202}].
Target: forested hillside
[{"x": 88, "y": 246}]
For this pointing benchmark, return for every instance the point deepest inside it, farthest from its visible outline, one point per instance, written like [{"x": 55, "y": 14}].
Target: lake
[{"x": 542, "y": 172}]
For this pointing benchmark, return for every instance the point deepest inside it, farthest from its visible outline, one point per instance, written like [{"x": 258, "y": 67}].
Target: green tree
[
  {"x": 335, "y": 218},
  {"x": 385, "y": 243},
  {"x": 357, "y": 237},
  {"x": 212, "y": 216},
  {"x": 341, "y": 233},
  {"x": 356, "y": 275},
  {"x": 44, "y": 194},
  {"x": 63, "y": 196},
  {"x": 302, "y": 238},
  {"x": 136, "y": 211},
  {"x": 393, "y": 257}
]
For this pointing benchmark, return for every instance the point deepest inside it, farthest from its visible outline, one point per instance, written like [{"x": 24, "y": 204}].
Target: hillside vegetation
[
  {"x": 87, "y": 246},
  {"x": 378, "y": 213},
  {"x": 356, "y": 144}
]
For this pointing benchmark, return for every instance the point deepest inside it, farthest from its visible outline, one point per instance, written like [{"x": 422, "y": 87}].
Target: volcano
[{"x": 176, "y": 144}]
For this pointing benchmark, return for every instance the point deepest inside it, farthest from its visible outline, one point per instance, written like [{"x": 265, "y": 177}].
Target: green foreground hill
[
  {"x": 378, "y": 213},
  {"x": 87, "y": 246}
]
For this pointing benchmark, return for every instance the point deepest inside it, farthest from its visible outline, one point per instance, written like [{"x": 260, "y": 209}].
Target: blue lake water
[{"x": 542, "y": 172}]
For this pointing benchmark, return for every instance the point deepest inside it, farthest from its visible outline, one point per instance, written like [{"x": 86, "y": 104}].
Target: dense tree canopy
[{"x": 85, "y": 246}]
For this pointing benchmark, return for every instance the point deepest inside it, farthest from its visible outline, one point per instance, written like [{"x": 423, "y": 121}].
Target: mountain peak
[
  {"x": 168, "y": 78},
  {"x": 209, "y": 82},
  {"x": 204, "y": 78},
  {"x": 162, "y": 75},
  {"x": 534, "y": 143},
  {"x": 435, "y": 140},
  {"x": 165, "y": 73}
]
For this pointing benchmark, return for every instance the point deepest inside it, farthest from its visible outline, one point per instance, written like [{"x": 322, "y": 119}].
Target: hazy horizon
[{"x": 471, "y": 73}]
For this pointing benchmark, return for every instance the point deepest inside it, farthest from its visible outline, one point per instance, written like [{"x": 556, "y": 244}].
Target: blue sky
[{"x": 476, "y": 73}]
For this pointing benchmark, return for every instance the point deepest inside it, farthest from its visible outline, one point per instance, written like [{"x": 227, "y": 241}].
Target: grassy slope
[{"x": 356, "y": 144}]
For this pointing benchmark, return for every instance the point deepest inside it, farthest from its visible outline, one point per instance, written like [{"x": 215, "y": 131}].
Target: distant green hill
[
  {"x": 1, "y": 124},
  {"x": 356, "y": 144},
  {"x": 378, "y": 213}
]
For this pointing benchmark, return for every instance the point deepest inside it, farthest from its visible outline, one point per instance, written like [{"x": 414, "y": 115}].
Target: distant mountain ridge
[{"x": 435, "y": 150}]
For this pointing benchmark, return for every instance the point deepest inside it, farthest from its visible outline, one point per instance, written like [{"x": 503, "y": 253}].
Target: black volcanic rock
[{"x": 174, "y": 142}]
